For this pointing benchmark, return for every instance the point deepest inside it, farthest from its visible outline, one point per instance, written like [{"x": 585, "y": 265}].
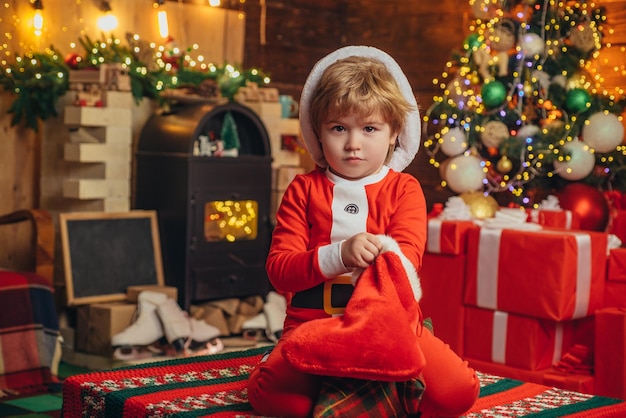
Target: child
[{"x": 361, "y": 126}]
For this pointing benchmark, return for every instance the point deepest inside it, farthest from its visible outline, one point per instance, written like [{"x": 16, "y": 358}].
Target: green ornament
[
  {"x": 473, "y": 41},
  {"x": 577, "y": 100},
  {"x": 493, "y": 93}
]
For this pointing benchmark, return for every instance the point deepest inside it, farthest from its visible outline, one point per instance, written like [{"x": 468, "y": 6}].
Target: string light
[
  {"x": 37, "y": 18},
  {"x": 107, "y": 22}
]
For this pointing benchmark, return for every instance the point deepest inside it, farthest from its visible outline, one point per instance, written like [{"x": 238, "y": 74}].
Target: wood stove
[{"x": 214, "y": 211}]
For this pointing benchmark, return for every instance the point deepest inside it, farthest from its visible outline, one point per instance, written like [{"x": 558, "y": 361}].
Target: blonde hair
[{"x": 359, "y": 85}]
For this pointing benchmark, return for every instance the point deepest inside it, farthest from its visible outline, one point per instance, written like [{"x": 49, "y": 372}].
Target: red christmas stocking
[{"x": 375, "y": 337}]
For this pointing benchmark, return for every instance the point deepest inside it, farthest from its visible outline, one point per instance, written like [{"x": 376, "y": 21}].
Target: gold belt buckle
[{"x": 328, "y": 288}]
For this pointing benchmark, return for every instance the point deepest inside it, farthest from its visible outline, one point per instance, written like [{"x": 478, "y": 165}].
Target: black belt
[{"x": 331, "y": 296}]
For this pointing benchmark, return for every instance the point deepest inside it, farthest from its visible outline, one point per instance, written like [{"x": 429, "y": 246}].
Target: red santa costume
[{"x": 319, "y": 210}]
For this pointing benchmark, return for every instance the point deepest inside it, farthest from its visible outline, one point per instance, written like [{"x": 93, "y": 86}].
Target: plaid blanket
[
  {"x": 29, "y": 331},
  {"x": 216, "y": 386}
]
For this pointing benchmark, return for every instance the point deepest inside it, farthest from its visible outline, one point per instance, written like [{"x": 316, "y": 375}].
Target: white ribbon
[
  {"x": 498, "y": 341},
  {"x": 433, "y": 243},
  {"x": 487, "y": 269},
  {"x": 558, "y": 342}
]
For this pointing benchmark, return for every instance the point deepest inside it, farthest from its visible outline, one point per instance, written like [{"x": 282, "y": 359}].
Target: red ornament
[
  {"x": 588, "y": 203},
  {"x": 72, "y": 59}
]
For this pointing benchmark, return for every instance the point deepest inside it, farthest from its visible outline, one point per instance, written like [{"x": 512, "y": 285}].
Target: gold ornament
[
  {"x": 481, "y": 206},
  {"x": 493, "y": 133},
  {"x": 504, "y": 165},
  {"x": 583, "y": 37}
]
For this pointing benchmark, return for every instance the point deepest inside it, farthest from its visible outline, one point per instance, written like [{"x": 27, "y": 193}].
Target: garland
[{"x": 38, "y": 80}]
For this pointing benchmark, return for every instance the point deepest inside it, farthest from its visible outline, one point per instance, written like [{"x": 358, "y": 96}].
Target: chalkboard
[{"x": 105, "y": 253}]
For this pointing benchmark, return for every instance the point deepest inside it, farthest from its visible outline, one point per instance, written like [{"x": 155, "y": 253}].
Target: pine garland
[{"x": 38, "y": 81}]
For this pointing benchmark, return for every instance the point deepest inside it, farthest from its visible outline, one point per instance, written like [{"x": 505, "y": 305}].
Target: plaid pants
[{"x": 351, "y": 398}]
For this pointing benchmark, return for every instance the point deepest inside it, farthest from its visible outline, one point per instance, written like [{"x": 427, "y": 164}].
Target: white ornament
[
  {"x": 465, "y": 173},
  {"x": 527, "y": 131},
  {"x": 579, "y": 165},
  {"x": 603, "y": 132},
  {"x": 543, "y": 78},
  {"x": 454, "y": 141},
  {"x": 532, "y": 44},
  {"x": 560, "y": 80},
  {"x": 494, "y": 133}
]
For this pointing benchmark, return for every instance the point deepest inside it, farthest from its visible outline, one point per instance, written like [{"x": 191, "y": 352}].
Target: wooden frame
[{"x": 105, "y": 253}]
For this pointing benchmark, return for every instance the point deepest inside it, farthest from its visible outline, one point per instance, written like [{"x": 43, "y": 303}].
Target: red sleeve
[
  {"x": 292, "y": 264},
  {"x": 408, "y": 222}
]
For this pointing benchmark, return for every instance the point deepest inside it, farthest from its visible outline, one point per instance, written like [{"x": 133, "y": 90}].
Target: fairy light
[
  {"x": 37, "y": 17},
  {"x": 107, "y": 22}
]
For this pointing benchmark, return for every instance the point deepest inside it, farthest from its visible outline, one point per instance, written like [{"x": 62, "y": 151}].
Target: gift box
[
  {"x": 615, "y": 294},
  {"x": 442, "y": 277},
  {"x": 563, "y": 219},
  {"x": 515, "y": 340},
  {"x": 617, "y": 265},
  {"x": 618, "y": 224},
  {"x": 547, "y": 273},
  {"x": 447, "y": 237},
  {"x": 610, "y": 352}
]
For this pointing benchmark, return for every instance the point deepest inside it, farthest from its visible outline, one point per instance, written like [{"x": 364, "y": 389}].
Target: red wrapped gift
[
  {"x": 548, "y": 273},
  {"x": 610, "y": 352},
  {"x": 615, "y": 295},
  {"x": 577, "y": 382},
  {"x": 617, "y": 265},
  {"x": 564, "y": 219},
  {"x": 515, "y": 340},
  {"x": 442, "y": 278},
  {"x": 618, "y": 224},
  {"x": 448, "y": 237}
]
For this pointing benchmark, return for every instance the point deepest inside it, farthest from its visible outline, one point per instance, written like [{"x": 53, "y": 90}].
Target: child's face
[{"x": 356, "y": 147}]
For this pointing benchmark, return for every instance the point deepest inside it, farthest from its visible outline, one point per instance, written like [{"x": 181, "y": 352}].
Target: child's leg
[
  {"x": 451, "y": 385},
  {"x": 277, "y": 389}
]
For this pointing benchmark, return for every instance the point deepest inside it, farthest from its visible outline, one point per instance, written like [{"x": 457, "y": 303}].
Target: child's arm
[
  {"x": 408, "y": 222},
  {"x": 293, "y": 263}
]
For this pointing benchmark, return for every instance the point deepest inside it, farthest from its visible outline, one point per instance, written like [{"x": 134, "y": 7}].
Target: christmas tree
[{"x": 521, "y": 116}]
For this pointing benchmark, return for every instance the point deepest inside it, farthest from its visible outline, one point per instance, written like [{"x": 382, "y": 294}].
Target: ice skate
[
  {"x": 145, "y": 330},
  {"x": 254, "y": 327},
  {"x": 176, "y": 324},
  {"x": 203, "y": 339},
  {"x": 275, "y": 310}
]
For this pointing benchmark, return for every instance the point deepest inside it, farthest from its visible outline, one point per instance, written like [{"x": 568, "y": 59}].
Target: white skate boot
[
  {"x": 275, "y": 310},
  {"x": 203, "y": 339},
  {"x": 176, "y": 325},
  {"x": 252, "y": 327},
  {"x": 145, "y": 330}
]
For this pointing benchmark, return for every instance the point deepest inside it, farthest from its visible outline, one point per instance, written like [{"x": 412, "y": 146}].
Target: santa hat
[
  {"x": 409, "y": 138},
  {"x": 375, "y": 338}
]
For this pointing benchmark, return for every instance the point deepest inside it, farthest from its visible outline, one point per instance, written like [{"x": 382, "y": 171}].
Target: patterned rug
[{"x": 216, "y": 386}]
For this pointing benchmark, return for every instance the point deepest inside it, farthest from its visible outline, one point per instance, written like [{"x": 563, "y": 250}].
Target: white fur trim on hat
[
  {"x": 409, "y": 138},
  {"x": 390, "y": 244}
]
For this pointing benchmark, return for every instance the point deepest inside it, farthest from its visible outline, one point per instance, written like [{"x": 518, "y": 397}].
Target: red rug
[{"x": 216, "y": 386}]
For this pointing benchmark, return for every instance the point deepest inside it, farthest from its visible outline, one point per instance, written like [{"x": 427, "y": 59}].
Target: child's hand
[{"x": 360, "y": 250}]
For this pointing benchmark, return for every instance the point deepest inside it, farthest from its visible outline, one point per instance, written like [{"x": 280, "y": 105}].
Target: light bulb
[
  {"x": 163, "y": 26},
  {"x": 38, "y": 22},
  {"x": 107, "y": 22},
  {"x": 214, "y": 3}
]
